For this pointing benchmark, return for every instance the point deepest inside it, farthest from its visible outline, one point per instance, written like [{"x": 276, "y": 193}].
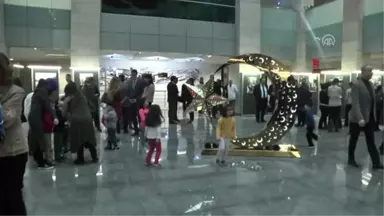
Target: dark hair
[
  {"x": 42, "y": 83},
  {"x": 154, "y": 116},
  {"x": 173, "y": 78},
  {"x": 335, "y": 81},
  {"x": 17, "y": 81},
  {"x": 134, "y": 71},
  {"x": 225, "y": 109},
  {"x": 70, "y": 89},
  {"x": 148, "y": 76},
  {"x": 122, "y": 77}
]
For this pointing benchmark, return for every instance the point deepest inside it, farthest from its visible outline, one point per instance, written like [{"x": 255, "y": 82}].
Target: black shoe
[
  {"x": 45, "y": 167},
  {"x": 135, "y": 134},
  {"x": 95, "y": 160},
  {"x": 377, "y": 166},
  {"x": 311, "y": 146},
  {"x": 108, "y": 148},
  {"x": 116, "y": 148},
  {"x": 222, "y": 162},
  {"x": 353, "y": 163}
]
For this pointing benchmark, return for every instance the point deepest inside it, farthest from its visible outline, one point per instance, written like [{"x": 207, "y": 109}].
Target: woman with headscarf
[
  {"x": 14, "y": 148},
  {"x": 81, "y": 132},
  {"x": 41, "y": 119},
  {"x": 92, "y": 94},
  {"x": 113, "y": 95}
]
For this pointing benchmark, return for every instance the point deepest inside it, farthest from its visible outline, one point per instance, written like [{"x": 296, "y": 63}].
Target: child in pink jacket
[{"x": 143, "y": 114}]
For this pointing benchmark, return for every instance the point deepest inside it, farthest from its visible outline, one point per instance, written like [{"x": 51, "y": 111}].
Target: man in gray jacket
[
  {"x": 14, "y": 148},
  {"x": 362, "y": 117},
  {"x": 132, "y": 91}
]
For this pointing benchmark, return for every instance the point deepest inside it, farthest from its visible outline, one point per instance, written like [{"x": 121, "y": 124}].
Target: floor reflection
[{"x": 319, "y": 183}]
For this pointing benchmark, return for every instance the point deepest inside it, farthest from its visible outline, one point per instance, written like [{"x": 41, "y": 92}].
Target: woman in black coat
[{"x": 186, "y": 97}]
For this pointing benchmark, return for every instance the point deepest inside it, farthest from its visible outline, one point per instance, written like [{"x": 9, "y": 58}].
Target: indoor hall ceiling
[{"x": 158, "y": 56}]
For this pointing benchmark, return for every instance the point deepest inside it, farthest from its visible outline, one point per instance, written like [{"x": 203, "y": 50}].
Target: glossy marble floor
[{"x": 319, "y": 183}]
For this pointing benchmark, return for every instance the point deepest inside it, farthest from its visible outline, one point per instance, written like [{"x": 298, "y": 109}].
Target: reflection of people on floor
[
  {"x": 187, "y": 131},
  {"x": 217, "y": 89},
  {"x": 92, "y": 94},
  {"x": 173, "y": 99},
  {"x": 172, "y": 144},
  {"x": 186, "y": 98},
  {"x": 323, "y": 97},
  {"x": 348, "y": 104},
  {"x": 310, "y": 122},
  {"x": 363, "y": 117},
  {"x": 334, "y": 105},
  {"x": 303, "y": 96},
  {"x": 260, "y": 92}
]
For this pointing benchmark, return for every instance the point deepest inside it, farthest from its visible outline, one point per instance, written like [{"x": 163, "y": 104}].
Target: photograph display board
[
  {"x": 249, "y": 103},
  {"x": 43, "y": 74}
]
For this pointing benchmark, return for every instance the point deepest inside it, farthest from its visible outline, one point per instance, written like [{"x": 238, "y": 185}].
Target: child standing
[
  {"x": 153, "y": 122},
  {"x": 143, "y": 113},
  {"x": 60, "y": 133},
  {"x": 310, "y": 122},
  {"x": 110, "y": 120},
  {"x": 225, "y": 131}
]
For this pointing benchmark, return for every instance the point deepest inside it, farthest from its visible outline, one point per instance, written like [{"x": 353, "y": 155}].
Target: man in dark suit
[
  {"x": 362, "y": 117},
  {"x": 272, "y": 98},
  {"x": 260, "y": 91},
  {"x": 173, "y": 98},
  {"x": 133, "y": 89},
  {"x": 217, "y": 89}
]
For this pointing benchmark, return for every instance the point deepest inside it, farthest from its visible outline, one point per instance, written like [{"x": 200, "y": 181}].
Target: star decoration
[{"x": 204, "y": 99}]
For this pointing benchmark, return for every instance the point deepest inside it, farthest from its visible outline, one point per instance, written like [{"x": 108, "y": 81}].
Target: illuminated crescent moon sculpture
[{"x": 283, "y": 117}]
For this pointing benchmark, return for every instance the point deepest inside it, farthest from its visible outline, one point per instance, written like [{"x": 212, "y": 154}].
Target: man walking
[
  {"x": 232, "y": 93},
  {"x": 260, "y": 91},
  {"x": 362, "y": 116}
]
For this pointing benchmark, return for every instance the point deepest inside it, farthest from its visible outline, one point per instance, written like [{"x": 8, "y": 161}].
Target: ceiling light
[
  {"x": 209, "y": 56},
  {"x": 18, "y": 66},
  {"x": 35, "y": 48},
  {"x": 11, "y": 59},
  {"x": 84, "y": 68},
  {"x": 42, "y": 67},
  {"x": 139, "y": 53}
]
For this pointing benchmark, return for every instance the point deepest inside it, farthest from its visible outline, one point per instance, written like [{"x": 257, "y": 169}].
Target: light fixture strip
[
  {"x": 18, "y": 66},
  {"x": 44, "y": 67},
  {"x": 84, "y": 68}
]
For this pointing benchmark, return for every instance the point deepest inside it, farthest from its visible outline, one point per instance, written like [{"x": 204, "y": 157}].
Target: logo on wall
[{"x": 327, "y": 40}]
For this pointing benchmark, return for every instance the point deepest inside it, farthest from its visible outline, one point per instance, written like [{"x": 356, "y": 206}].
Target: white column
[
  {"x": 3, "y": 47},
  {"x": 85, "y": 33},
  {"x": 351, "y": 57},
  {"x": 301, "y": 28},
  {"x": 248, "y": 24}
]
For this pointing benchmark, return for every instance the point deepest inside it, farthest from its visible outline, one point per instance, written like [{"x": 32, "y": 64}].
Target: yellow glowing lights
[{"x": 282, "y": 119}]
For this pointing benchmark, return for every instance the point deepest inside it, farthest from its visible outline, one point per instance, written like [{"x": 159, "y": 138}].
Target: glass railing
[{"x": 205, "y": 10}]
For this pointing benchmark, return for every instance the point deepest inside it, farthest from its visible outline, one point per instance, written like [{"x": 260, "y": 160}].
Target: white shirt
[
  {"x": 348, "y": 96},
  {"x": 335, "y": 95},
  {"x": 232, "y": 91},
  {"x": 263, "y": 91},
  {"x": 153, "y": 132},
  {"x": 27, "y": 104}
]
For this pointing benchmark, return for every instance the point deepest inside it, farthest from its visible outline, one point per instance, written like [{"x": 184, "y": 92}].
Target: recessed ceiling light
[
  {"x": 209, "y": 56},
  {"x": 139, "y": 53},
  {"x": 35, "y": 48},
  {"x": 11, "y": 59}
]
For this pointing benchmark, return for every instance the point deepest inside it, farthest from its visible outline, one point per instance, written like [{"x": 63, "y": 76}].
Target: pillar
[
  {"x": 3, "y": 47},
  {"x": 248, "y": 29},
  {"x": 85, "y": 33},
  {"x": 351, "y": 55},
  {"x": 301, "y": 27}
]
